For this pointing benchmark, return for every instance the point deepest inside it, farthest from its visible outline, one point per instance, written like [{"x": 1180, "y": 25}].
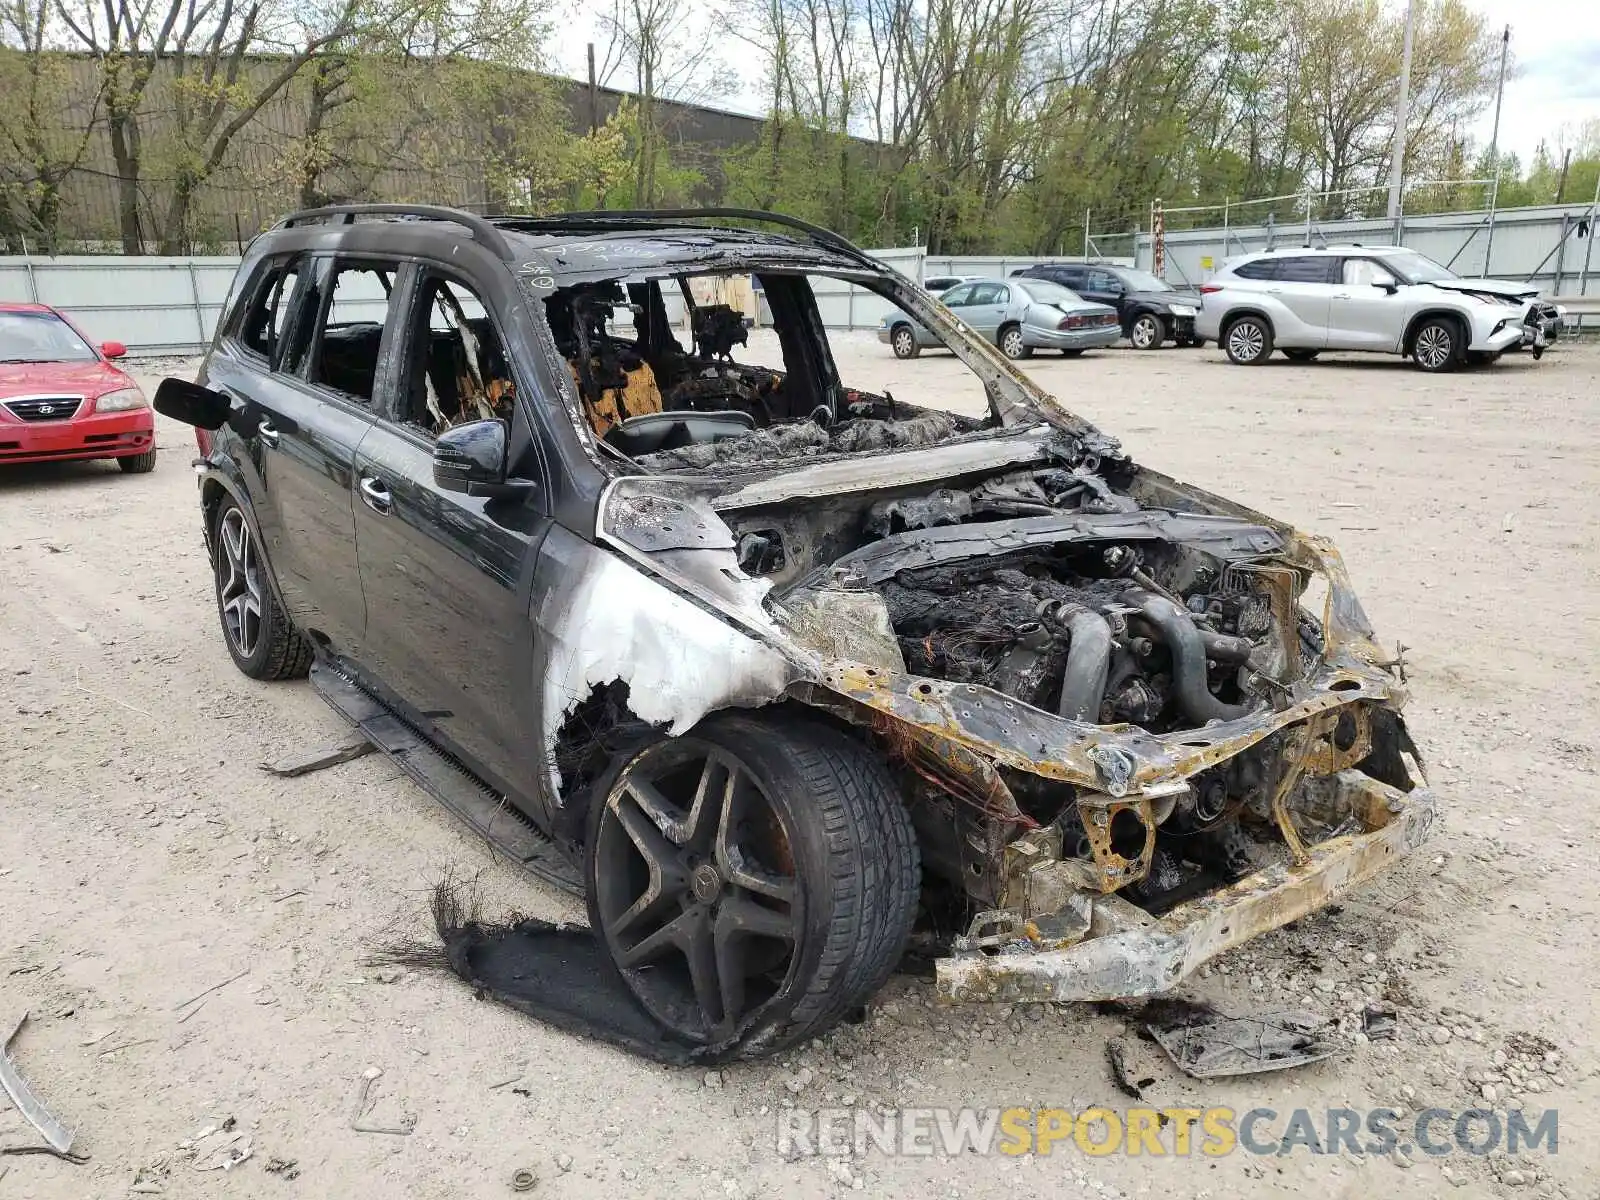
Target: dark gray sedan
[{"x": 1018, "y": 315}]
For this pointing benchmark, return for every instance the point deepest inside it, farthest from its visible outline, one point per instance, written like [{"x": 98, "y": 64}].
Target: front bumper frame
[{"x": 1128, "y": 954}]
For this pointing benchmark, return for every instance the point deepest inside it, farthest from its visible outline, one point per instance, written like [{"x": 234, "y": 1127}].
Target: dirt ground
[{"x": 144, "y": 857}]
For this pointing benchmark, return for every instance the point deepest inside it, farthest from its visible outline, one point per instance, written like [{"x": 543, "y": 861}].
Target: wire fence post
[
  {"x": 1561, "y": 255},
  {"x": 1307, "y": 242},
  {"x": 1590, "y": 232},
  {"x": 1158, "y": 240},
  {"x": 27, "y": 267},
  {"x": 1494, "y": 197},
  {"x": 1086, "y": 214},
  {"x": 199, "y": 313}
]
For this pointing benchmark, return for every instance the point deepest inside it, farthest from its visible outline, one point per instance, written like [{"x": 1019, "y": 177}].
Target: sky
[
  {"x": 1555, "y": 46},
  {"x": 1555, "y": 51}
]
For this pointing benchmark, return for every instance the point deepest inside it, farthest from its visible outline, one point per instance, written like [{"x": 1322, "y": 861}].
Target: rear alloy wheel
[
  {"x": 1248, "y": 342},
  {"x": 1012, "y": 345},
  {"x": 752, "y": 881},
  {"x": 904, "y": 342},
  {"x": 138, "y": 464},
  {"x": 1436, "y": 346},
  {"x": 263, "y": 643},
  {"x": 1301, "y": 356},
  {"x": 1146, "y": 332}
]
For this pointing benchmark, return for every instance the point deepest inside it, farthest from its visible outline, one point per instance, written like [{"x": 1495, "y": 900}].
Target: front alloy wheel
[
  {"x": 752, "y": 881},
  {"x": 238, "y": 584},
  {"x": 1434, "y": 348},
  {"x": 1146, "y": 332},
  {"x": 696, "y": 888},
  {"x": 260, "y": 638}
]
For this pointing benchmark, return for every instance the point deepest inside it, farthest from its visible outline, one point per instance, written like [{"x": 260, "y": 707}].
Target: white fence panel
[{"x": 154, "y": 305}]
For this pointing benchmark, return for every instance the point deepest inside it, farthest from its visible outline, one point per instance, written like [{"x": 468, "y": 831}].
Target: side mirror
[
  {"x": 471, "y": 459},
  {"x": 193, "y": 404},
  {"x": 113, "y": 350},
  {"x": 1387, "y": 283}
]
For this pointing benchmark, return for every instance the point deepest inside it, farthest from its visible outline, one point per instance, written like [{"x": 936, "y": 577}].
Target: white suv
[{"x": 1382, "y": 298}]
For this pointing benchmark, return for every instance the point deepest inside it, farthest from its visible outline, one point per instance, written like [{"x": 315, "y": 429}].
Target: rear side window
[
  {"x": 1067, "y": 277},
  {"x": 343, "y": 321},
  {"x": 261, "y": 330},
  {"x": 1306, "y": 268},
  {"x": 1261, "y": 268}
]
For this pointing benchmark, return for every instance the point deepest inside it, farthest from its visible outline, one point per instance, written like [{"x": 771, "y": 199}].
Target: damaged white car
[{"x": 779, "y": 671}]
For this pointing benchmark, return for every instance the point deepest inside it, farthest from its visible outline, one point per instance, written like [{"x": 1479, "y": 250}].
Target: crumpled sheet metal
[
  {"x": 1211, "y": 1045},
  {"x": 1151, "y": 959},
  {"x": 1119, "y": 760}
]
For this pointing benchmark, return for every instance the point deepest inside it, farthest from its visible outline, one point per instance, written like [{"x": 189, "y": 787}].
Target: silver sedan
[{"x": 1018, "y": 315}]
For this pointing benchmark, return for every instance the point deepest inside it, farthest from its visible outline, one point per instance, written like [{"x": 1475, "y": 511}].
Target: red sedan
[{"x": 60, "y": 397}]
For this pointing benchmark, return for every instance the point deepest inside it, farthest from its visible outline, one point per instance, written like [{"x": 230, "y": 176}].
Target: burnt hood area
[{"x": 1052, "y": 585}]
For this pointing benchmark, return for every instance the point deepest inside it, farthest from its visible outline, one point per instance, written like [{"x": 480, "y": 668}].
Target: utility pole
[
  {"x": 1402, "y": 103},
  {"x": 1494, "y": 150},
  {"x": 1499, "y": 95},
  {"x": 594, "y": 96}
]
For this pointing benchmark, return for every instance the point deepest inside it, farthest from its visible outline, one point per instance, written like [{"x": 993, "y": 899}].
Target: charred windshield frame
[{"x": 1013, "y": 399}]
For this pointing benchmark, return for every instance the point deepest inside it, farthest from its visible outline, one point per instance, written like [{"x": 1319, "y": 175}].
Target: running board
[{"x": 478, "y": 806}]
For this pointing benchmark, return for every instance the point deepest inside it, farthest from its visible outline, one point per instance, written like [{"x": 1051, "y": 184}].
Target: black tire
[
  {"x": 138, "y": 464},
  {"x": 1147, "y": 332},
  {"x": 1437, "y": 345},
  {"x": 903, "y": 341},
  {"x": 1011, "y": 343},
  {"x": 1072, "y": 354},
  {"x": 1301, "y": 356},
  {"x": 834, "y": 818},
  {"x": 259, "y": 636},
  {"x": 1248, "y": 340}
]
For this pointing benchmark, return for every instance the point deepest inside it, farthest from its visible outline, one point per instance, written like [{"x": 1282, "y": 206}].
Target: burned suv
[{"x": 777, "y": 670}]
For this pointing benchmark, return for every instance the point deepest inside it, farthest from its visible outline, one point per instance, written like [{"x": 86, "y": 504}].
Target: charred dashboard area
[{"x": 669, "y": 407}]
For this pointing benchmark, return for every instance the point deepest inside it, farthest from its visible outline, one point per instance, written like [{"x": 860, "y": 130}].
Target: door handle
[
  {"x": 1274, "y": 291},
  {"x": 1341, "y": 295},
  {"x": 375, "y": 494},
  {"x": 266, "y": 432}
]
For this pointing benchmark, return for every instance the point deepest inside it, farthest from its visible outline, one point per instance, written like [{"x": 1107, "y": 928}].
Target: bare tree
[
  {"x": 662, "y": 47},
  {"x": 45, "y": 134},
  {"x": 204, "y": 48}
]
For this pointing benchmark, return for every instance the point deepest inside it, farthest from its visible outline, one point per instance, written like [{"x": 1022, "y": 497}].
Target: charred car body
[{"x": 774, "y": 669}]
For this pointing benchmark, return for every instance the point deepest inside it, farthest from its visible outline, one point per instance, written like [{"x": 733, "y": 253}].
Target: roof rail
[
  {"x": 662, "y": 216},
  {"x": 482, "y": 231}
]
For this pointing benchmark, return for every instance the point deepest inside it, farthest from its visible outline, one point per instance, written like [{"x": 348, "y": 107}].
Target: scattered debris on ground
[
  {"x": 56, "y": 1135},
  {"x": 408, "y": 1121},
  {"x": 315, "y": 760},
  {"x": 1208, "y": 1044}
]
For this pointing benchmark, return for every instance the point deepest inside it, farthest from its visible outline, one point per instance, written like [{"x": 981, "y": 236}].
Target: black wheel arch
[
  {"x": 1430, "y": 314},
  {"x": 217, "y": 485},
  {"x": 1234, "y": 316}
]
